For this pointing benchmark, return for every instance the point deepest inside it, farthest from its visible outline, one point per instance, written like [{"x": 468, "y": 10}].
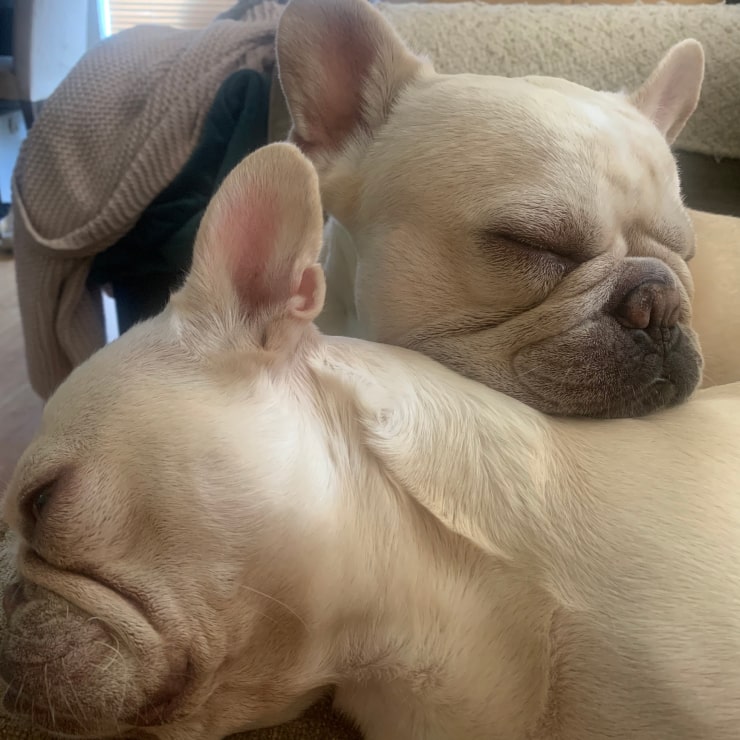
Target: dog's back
[{"x": 628, "y": 533}]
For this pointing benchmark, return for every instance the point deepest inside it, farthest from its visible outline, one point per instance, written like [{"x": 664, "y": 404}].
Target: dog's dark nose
[
  {"x": 650, "y": 305},
  {"x": 12, "y": 598}
]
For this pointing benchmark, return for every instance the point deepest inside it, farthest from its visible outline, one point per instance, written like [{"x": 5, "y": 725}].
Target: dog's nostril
[
  {"x": 649, "y": 305},
  {"x": 12, "y": 597}
]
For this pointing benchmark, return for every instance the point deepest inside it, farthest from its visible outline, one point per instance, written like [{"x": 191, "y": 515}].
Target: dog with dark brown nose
[{"x": 529, "y": 233}]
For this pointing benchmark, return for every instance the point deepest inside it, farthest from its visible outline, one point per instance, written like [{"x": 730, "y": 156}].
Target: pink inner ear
[
  {"x": 249, "y": 234},
  {"x": 348, "y": 59},
  {"x": 342, "y": 58}
]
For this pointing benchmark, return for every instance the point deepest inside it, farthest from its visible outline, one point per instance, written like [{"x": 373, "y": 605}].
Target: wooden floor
[{"x": 20, "y": 407}]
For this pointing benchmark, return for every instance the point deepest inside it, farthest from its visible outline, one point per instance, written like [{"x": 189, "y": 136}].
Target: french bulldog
[
  {"x": 226, "y": 512},
  {"x": 528, "y": 233}
]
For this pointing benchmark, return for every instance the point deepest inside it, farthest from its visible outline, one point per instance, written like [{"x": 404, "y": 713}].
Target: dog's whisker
[
  {"x": 19, "y": 693},
  {"x": 121, "y": 703},
  {"x": 48, "y": 697},
  {"x": 72, "y": 712},
  {"x": 118, "y": 636},
  {"x": 278, "y": 602},
  {"x": 5, "y": 693},
  {"x": 264, "y": 615},
  {"x": 77, "y": 699},
  {"x": 115, "y": 649}
]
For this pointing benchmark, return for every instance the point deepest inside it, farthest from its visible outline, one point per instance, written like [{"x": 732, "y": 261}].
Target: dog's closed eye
[
  {"x": 37, "y": 500},
  {"x": 493, "y": 240}
]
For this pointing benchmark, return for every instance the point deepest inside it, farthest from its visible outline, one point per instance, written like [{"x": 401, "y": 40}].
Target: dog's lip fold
[
  {"x": 167, "y": 699},
  {"x": 672, "y": 382},
  {"x": 133, "y": 600}
]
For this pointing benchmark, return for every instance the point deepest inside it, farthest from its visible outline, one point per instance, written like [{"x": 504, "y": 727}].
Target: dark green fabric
[{"x": 152, "y": 258}]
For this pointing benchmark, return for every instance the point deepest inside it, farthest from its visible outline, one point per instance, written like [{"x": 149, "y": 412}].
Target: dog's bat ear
[
  {"x": 257, "y": 247},
  {"x": 671, "y": 93},
  {"x": 341, "y": 66}
]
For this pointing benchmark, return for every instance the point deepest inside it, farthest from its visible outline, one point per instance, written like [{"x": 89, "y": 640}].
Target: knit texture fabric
[
  {"x": 114, "y": 134},
  {"x": 122, "y": 124}
]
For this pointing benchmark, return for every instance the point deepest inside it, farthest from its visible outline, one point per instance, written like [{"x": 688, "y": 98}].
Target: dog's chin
[
  {"x": 608, "y": 374},
  {"x": 596, "y": 370}
]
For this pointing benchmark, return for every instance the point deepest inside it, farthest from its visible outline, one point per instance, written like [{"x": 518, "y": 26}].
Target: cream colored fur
[
  {"x": 225, "y": 512},
  {"x": 501, "y": 226}
]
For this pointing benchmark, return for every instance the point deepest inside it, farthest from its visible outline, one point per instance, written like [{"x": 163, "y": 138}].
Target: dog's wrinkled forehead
[
  {"x": 111, "y": 407},
  {"x": 530, "y": 146},
  {"x": 179, "y": 402},
  {"x": 144, "y": 429},
  {"x": 133, "y": 376}
]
